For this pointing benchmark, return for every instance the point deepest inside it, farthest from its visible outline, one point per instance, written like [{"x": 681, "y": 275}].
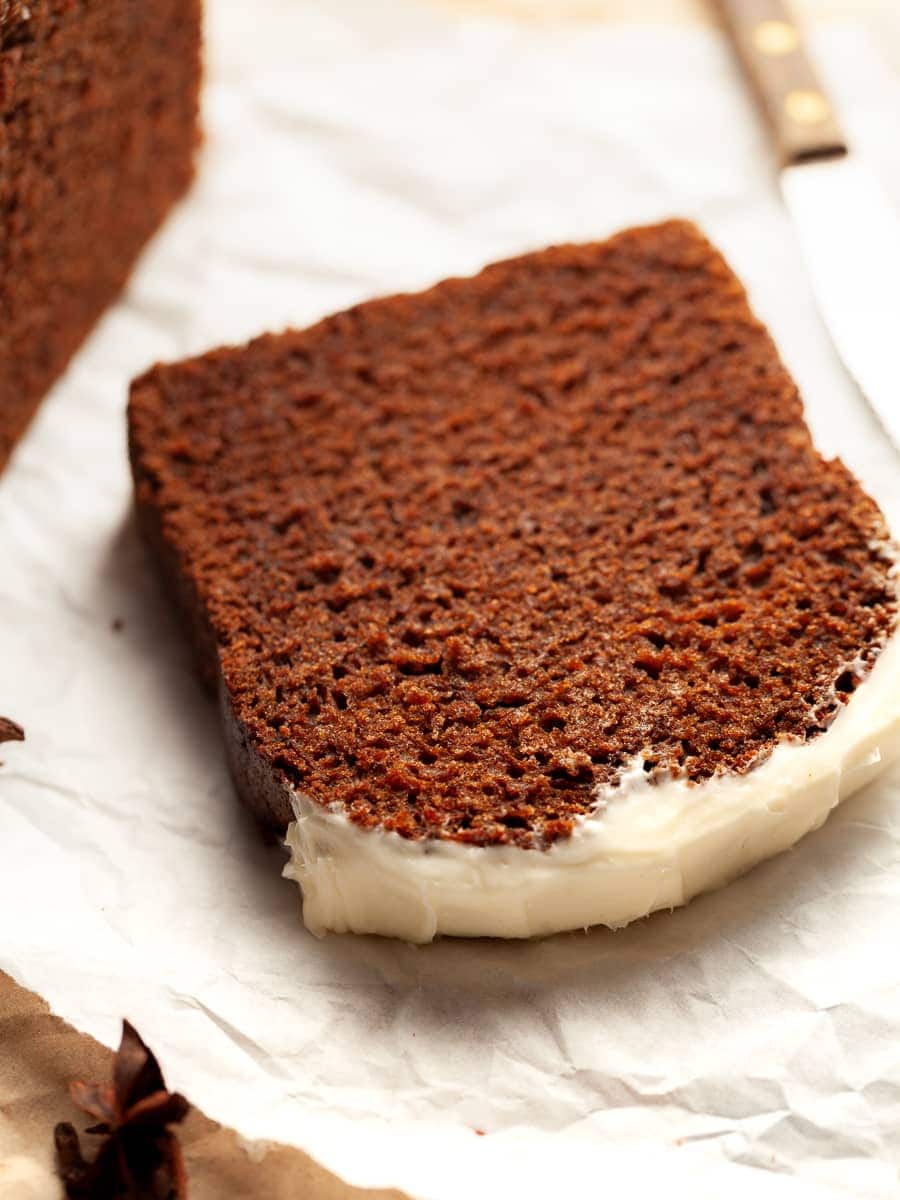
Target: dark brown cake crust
[
  {"x": 98, "y": 128},
  {"x": 454, "y": 559}
]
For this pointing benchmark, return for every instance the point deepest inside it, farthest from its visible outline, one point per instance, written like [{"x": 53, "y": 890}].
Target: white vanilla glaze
[{"x": 646, "y": 845}]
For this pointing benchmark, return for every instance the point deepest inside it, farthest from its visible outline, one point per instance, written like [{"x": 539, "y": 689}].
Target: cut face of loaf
[
  {"x": 458, "y": 562},
  {"x": 98, "y": 128}
]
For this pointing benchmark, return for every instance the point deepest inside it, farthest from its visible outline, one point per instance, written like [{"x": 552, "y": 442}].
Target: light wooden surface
[
  {"x": 678, "y": 11},
  {"x": 882, "y": 17},
  {"x": 39, "y": 1054}
]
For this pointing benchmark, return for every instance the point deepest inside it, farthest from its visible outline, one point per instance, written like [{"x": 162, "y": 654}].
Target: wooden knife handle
[{"x": 770, "y": 46}]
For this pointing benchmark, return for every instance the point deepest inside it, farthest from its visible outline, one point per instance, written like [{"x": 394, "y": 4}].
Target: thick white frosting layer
[{"x": 646, "y": 846}]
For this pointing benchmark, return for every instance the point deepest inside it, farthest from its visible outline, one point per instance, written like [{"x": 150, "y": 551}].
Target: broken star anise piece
[
  {"x": 11, "y": 731},
  {"x": 140, "y": 1158}
]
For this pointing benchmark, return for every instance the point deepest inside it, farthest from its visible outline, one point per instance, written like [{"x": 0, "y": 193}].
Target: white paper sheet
[{"x": 354, "y": 148}]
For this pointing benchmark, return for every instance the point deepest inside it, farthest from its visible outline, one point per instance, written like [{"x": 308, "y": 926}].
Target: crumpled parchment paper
[{"x": 355, "y": 147}]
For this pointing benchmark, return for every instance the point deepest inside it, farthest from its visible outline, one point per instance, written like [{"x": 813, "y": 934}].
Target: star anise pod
[{"x": 140, "y": 1158}]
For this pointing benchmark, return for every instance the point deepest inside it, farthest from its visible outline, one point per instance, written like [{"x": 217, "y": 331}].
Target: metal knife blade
[{"x": 850, "y": 238}]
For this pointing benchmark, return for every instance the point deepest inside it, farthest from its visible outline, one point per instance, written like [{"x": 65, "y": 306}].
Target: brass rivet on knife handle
[
  {"x": 776, "y": 37},
  {"x": 806, "y": 108},
  {"x": 771, "y": 50}
]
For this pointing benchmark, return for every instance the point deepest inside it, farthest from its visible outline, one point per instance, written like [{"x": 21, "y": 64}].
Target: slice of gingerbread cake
[
  {"x": 529, "y": 602},
  {"x": 98, "y": 128}
]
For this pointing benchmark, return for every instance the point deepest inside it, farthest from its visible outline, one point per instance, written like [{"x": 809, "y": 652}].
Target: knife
[{"x": 849, "y": 233}]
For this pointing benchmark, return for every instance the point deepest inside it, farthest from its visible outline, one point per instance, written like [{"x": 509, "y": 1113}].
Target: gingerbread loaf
[{"x": 98, "y": 130}]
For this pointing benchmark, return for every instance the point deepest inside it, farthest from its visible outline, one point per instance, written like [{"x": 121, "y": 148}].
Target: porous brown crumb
[{"x": 462, "y": 556}]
